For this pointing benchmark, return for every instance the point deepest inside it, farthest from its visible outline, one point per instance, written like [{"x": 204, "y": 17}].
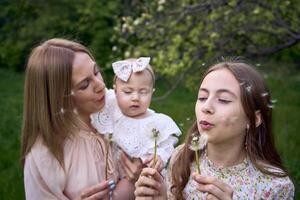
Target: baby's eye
[
  {"x": 144, "y": 91},
  {"x": 127, "y": 92}
]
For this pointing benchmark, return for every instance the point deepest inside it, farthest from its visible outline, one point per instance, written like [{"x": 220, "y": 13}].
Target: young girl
[
  {"x": 134, "y": 127},
  {"x": 240, "y": 161}
]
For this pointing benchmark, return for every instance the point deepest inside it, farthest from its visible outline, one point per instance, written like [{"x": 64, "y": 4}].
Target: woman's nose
[{"x": 99, "y": 86}]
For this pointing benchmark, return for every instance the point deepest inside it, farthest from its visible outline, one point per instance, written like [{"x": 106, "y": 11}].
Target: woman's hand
[
  {"x": 132, "y": 167},
  {"x": 150, "y": 185},
  {"x": 215, "y": 188},
  {"x": 99, "y": 191},
  {"x": 158, "y": 165}
]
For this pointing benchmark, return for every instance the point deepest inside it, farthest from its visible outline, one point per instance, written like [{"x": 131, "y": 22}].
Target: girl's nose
[{"x": 208, "y": 107}]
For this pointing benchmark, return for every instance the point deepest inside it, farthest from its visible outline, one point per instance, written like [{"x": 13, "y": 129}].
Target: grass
[{"x": 285, "y": 87}]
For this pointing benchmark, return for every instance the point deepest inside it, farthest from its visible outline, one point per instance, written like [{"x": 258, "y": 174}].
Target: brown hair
[
  {"x": 148, "y": 68},
  {"x": 48, "y": 106},
  {"x": 260, "y": 142}
]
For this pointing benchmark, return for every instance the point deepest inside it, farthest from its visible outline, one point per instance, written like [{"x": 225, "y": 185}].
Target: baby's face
[{"x": 134, "y": 96}]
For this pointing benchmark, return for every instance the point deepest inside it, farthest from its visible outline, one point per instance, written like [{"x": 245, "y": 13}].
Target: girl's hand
[
  {"x": 99, "y": 191},
  {"x": 159, "y": 165},
  {"x": 150, "y": 185},
  {"x": 215, "y": 188},
  {"x": 132, "y": 167}
]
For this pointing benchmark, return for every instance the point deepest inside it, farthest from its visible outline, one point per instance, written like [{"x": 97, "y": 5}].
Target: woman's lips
[{"x": 205, "y": 125}]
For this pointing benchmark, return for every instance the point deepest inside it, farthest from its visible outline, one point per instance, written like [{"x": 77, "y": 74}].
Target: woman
[
  {"x": 240, "y": 161},
  {"x": 63, "y": 156}
]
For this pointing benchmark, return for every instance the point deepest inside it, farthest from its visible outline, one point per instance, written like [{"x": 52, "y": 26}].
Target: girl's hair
[
  {"x": 148, "y": 68},
  {"x": 48, "y": 106},
  {"x": 259, "y": 140}
]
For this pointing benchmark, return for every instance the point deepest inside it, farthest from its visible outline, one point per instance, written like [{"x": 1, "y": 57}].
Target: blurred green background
[{"x": 183, "y": 37}]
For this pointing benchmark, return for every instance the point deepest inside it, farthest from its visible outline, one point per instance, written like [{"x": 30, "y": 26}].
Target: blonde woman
[{"x": 62, "y": 155}]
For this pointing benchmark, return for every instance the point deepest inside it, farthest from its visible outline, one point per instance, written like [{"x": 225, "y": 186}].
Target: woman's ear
[{"x": 258, "y": 119}]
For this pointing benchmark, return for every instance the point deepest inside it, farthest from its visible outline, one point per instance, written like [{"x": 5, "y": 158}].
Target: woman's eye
[
  {"x": 84, "y": 85},
  {"x": 127, "y": 92}
]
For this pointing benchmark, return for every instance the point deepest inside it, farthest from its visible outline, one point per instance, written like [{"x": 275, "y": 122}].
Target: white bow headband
[{"x": 124, "y": 68}]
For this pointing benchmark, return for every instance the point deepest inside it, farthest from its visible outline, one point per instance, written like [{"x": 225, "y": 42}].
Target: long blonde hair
[{"x": 48, "y": 105}]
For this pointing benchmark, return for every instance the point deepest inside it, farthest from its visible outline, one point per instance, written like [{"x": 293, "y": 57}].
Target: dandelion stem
[
  {"x": 154, "y": 157},
  {"x": 197, "y": 162},
  {"x": 106, "y": 162}
]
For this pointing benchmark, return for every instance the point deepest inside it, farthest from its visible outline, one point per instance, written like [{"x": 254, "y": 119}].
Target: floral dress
[{"x": 246, "y": 180}]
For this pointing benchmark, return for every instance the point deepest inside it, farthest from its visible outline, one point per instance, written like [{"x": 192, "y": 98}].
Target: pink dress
[{"x": 84, "y": 158}]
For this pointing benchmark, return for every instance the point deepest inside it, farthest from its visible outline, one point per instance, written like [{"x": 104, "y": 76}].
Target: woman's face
[
  {"x": 219, "y": 110},
  {"x": 88, "y": 86}
]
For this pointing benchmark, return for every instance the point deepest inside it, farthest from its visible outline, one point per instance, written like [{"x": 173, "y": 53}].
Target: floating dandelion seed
[
  {"x": 188, "y": 119},
  {"x": 248, "y": 88},
  {"x": 203, "y": 64},
  {"x": 180, "y": 124},
  {"x": 198, "y": 143},
  {"x": 75, "y": 111},
  {"x": 270, "y": 106},
  {"x": 264, "y": 94},
  {"x": 274, "y": 101},
  {"x": 242, "y": 83},
  {"x": 62, "y": 111}
]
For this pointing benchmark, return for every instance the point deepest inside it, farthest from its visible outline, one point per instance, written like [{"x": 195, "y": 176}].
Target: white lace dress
[{"x": 134, "y": 136}]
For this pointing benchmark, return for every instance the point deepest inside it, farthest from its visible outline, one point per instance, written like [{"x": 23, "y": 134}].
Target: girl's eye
[
  {"x": 127, "y": 92},
  {"x": 84, "y": 85},
  {"x": 224, "y": 101},
  {"x": 202, "y": 99}
]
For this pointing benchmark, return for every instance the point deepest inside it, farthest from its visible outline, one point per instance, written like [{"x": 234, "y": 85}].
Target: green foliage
[
  {"x": 182, "y": 34},
  {"x": 23, "y": 24}
]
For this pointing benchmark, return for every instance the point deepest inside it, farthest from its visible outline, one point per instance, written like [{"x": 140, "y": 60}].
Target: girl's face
[
  {"x": 134, "y": 96},
  {"x": 219, "y": 110},
  {"x": 88, "y": 86}
]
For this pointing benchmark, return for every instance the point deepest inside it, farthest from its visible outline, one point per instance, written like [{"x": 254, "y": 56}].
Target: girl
[
  {"x": 138, "y": 130},
  {"x": 240, "y": 161},
  {"x": 62, "y": 154}
]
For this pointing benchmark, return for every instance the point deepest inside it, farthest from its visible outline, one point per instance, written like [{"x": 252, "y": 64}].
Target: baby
[{"x": 126, "y": 115}]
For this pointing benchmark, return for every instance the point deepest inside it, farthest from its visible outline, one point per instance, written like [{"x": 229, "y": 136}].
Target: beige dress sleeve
[{"x": 84, "y": 158}]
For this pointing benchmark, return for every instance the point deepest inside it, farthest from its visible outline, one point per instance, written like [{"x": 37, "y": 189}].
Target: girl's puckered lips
[{"x": 205, "y": 125}]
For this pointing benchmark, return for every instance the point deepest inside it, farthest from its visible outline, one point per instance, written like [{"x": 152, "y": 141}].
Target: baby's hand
[{"x": 159, "y": 165}]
